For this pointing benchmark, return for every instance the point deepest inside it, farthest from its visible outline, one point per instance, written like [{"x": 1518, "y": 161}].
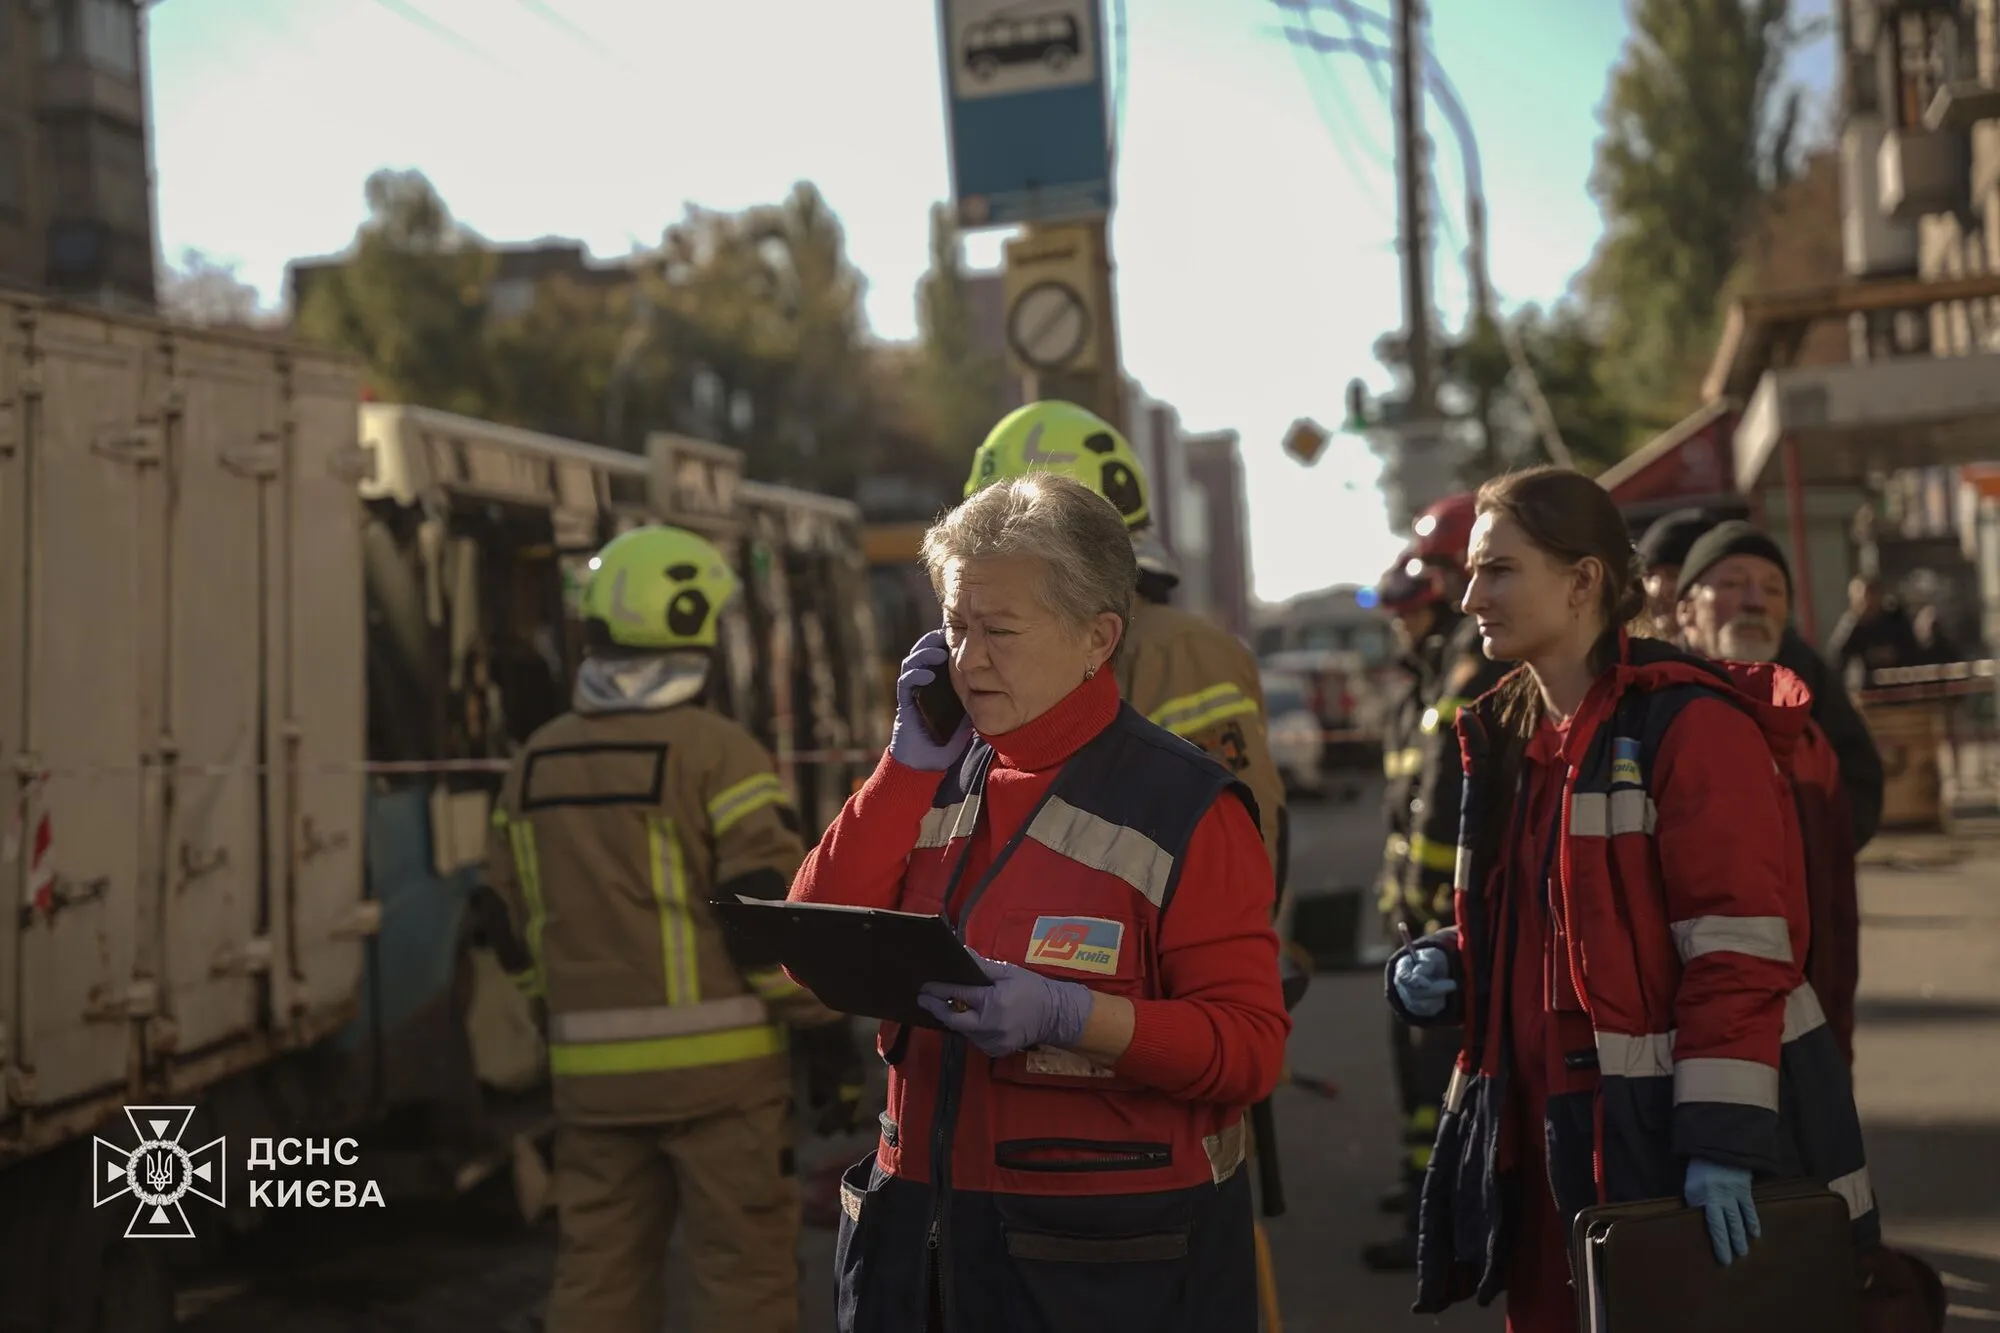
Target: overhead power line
[
  {"x": 1119, "y": 74},
  {"x": 555, "y": 18},
  {"x": 1341, "y": 122},
  {"x": 1449, "y": 104},
  {"x": 411, "y": 14}
]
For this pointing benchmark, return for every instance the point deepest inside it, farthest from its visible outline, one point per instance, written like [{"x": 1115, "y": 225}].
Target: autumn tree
[
  {"x": 206, "y": 291},
  {"x": 755, "y": 337},
  {"x": 1480, "y": 387},
  {"x": 1698, "y": 128},
  {"x": 411, "y": 301},
  {"x": 958, "y": 379},
  {"x": 743, "y": 328}
]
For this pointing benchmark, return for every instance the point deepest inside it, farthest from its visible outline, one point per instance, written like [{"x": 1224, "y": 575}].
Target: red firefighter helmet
[
  {"x": 1444, "y": 531},
  {"x": 1410, "y": 583}
]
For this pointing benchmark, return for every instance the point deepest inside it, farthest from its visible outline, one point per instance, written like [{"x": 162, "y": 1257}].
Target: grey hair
[{"x": 1088, "y": 566}]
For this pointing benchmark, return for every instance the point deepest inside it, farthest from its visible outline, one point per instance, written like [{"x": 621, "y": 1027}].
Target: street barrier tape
[{"x": 368, "y": 768}]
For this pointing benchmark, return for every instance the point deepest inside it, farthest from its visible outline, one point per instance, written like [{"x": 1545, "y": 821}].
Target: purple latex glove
[
  {"x": 1020, "y": 1009},
  {"x": 909, "y": 743}
]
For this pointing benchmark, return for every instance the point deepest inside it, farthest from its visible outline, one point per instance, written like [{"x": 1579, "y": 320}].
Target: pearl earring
[{"x": 1088, "y": 672}]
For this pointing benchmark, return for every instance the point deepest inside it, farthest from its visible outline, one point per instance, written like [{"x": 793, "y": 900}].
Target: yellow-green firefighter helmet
[
  {"x": 660, "y": 588},
  {"x": 1062, "y": 437}
]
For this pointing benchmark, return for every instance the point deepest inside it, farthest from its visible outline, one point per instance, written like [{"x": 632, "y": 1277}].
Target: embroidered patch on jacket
[
  {"x": 1625, "y": 762},
  {"x": 1085, "y": 943},
  {"x": 1231, "y": 748}
]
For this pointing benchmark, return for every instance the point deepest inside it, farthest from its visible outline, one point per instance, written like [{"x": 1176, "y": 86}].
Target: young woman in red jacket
[
  {"x": 1065, "y": 1151},
  {"x": 1632, "y": 925}
]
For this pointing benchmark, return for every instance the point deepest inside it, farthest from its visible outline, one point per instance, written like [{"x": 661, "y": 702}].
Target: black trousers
[{"x": 1423, "y": 1058}]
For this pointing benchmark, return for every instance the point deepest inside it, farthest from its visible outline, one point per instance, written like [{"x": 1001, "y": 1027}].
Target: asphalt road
[{"x": 1926, "y": 1080}]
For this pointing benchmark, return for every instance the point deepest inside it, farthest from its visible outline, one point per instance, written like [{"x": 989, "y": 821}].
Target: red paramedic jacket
[
  {"x": 1682, "y": 930},
  {"x": 1081, "y": 898}
]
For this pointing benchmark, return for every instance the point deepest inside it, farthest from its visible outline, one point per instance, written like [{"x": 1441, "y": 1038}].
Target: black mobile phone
[{"x": 939, "y": 707}]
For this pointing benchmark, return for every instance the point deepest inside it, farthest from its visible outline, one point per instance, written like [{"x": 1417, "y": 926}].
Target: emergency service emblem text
[{"x": 161, "y": 1172}]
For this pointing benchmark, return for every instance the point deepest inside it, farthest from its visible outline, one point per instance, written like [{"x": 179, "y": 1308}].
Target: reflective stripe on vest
[
  {"x": 943, "y": 823},
  {"x": 1597, "y": 814},
  {"x": 669, "y": 882},
  {"x": 533, "y": 982},
  {"x": 1743, "y": 1082},
  {"x": 1190, "y": 713},
  {"x": 1441, "y": 857},
  {"x": 1441, "y": 714},
  {"x": 683, "y": 1033},
  {"x": 746, "y": 797},
  {"x": 664, "y": 1053},
  {"x": 1102, "y": 845}
]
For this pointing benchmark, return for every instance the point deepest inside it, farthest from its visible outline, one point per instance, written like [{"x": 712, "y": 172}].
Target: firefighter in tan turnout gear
[
  {"x": 1184, "y": 673},
  {"x": 1447, "y": 670},
  {"x": 619, "y": 821}
]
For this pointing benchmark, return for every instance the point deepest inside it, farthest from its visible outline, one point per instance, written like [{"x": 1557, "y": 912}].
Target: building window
[
  {"x": 75, "y": 249},
  {"x": 111, "y": 36},
  {"x": 54, "y": 27},
  {"x": 118, "y": 164},
  {"x": 1930, "y": 52},
  {"x": 13, "y": 185},
  {"x": 510, "y": 297}
]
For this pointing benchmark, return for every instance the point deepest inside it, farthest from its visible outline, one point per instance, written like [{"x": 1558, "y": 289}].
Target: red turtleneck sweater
[{"x": 1222, "y": 1036}]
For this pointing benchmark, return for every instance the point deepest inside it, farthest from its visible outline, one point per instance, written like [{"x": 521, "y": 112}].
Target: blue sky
[{"x": 1255, "y": 267}]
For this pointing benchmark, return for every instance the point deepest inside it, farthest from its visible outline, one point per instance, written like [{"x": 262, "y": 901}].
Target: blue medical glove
[
  {"x": 909, "y": 744},
  {"x": 1020, "y": 1009},
  {"x": 1723, "y": 1193},
  {"x": 1422, "y": 979}
]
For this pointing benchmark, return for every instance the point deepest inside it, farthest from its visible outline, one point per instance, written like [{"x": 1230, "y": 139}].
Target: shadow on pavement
[
  {"x": 1926, "y": 1173},
  {"x": 1902, "y": 1009},
  {"x": 1971, "y": 1287}
]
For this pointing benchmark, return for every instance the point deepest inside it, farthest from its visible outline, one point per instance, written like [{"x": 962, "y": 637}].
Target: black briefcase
[{"x": 1649, "y": 1268}]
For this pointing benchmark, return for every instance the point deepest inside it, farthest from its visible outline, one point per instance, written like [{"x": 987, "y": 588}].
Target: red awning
[{"x": 1693, "y": 460}]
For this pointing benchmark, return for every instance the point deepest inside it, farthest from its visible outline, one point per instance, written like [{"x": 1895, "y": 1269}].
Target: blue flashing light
[{"x": 1364, "y": 598}]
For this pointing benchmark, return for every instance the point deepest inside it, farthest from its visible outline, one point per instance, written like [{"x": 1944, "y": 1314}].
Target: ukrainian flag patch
[
  {"x": 1082, "y": 943},
  {"x": 1625, "y": 762}
]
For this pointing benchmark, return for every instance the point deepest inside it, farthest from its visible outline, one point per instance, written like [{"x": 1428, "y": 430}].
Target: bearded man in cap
[
  {"x": 1734, "y": 598},
  {"x": 1663, "y": 550}
]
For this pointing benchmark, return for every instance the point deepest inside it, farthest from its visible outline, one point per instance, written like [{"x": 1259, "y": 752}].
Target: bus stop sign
[{"x": 1025, "y": 110}]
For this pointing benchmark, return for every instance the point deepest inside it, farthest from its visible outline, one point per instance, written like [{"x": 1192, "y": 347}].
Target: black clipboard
[{"x": 868, "y": 961}]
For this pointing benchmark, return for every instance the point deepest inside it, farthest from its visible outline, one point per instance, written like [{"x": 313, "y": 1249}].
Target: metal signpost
[
  {"x": 1029, "y": 131},
  {"x": 1028, "y": 126}
]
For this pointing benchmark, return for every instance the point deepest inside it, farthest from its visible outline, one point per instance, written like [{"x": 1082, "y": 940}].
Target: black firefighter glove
[{"x": 836, "y": 1076}]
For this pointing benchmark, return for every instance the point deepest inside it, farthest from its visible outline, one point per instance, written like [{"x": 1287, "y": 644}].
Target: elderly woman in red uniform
[
  {"x": 1068, "y": 1153},
  {"x": 1632, "y": 926}
]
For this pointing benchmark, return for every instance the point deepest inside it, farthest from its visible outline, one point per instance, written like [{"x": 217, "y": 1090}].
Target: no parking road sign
[{"x": 1050, "y": 288}]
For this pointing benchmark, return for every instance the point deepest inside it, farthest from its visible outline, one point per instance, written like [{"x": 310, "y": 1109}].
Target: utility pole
[
  {"x": 1413, "y": 171},
  {"x": 1419, "y": 470}
]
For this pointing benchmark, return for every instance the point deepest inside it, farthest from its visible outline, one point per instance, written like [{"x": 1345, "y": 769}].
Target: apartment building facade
[{"x": 76, "y": 196}]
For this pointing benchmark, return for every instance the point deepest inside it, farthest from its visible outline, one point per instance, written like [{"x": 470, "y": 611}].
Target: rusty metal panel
[
  {"x": 82, "y": 689},
  {"x": 316, "y": 712},
  {"x": 222, "y": 464},
  {"x": 180, "y": 573}
]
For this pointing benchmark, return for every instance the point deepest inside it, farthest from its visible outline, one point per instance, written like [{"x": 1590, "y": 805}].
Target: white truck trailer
[{"x": 264, "y": 651}]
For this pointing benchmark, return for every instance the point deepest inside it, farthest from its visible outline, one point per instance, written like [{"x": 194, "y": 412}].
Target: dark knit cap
[
  {"x": 1667, "y": 541},
  {"x": 1722, "y": 541}
]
